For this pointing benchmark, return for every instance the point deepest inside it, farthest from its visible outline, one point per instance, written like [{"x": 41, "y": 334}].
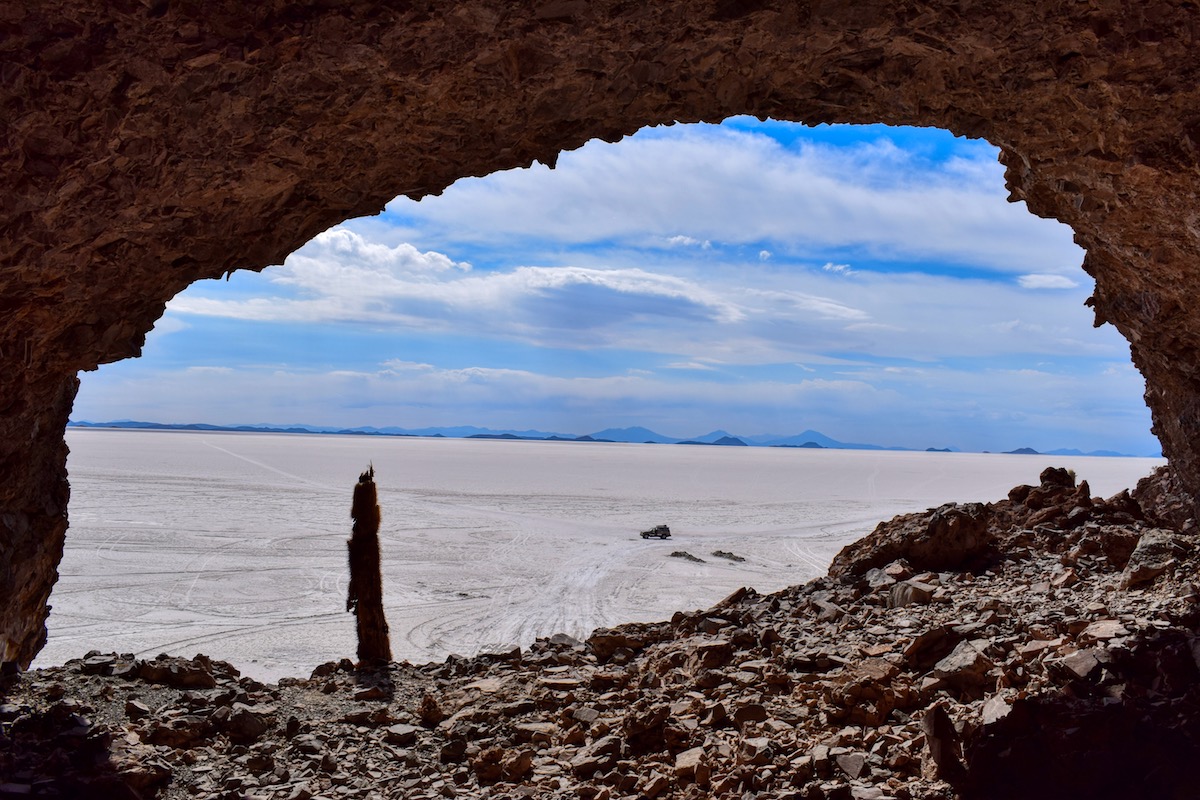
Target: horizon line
[{"x": 485, "y": 433}]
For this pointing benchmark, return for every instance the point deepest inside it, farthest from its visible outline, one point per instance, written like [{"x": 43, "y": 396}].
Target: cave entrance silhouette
[{"x": 357, "y": 257}]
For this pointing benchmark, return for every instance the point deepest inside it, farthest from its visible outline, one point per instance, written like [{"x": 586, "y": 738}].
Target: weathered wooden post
[{"x": 365, "y": 597}]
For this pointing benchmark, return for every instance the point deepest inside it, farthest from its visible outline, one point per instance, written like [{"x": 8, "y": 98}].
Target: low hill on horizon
[{"x": 809, "y": 439}]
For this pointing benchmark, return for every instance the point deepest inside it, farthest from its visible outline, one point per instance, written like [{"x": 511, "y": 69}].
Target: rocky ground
[{"x": 1042, "y": 646}]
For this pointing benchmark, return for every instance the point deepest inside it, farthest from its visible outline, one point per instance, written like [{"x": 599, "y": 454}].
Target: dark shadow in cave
[{"x": 1130, "y": 729}]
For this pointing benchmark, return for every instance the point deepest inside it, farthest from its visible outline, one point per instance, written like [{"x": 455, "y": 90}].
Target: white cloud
[
  {"x": 1044, "y": 281},
  {"x": 738, "y": 313},
  {"x": 691, "y": 184},
  {"x": 396, "y": 365},
  {"x": 342, "y": 246},
  {"x": 874, "y": 326},
  {"x": 788, "y": 302},
  {"x": 168, "y": 324},
  {"x": 629, "y": 282},
  {"x": 692, "y": 365},
  {"x": 342, "y": 263},
  {"x": 679, "y": 186},
  {"x": 337, "y": 286},
  {"x": 688, "y": 241}
]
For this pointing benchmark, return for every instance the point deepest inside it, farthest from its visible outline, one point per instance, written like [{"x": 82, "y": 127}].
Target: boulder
[
  {"x": 179, "y": 673},
  {"x": 687, "y": 762},
  {"x": 245, "y": 724},
  {"x": 966, "y": 667},
  {"x": 1155, "y": 553},
  {"x": 953, "y": 537},
  {"x": 906, "y": 593}
]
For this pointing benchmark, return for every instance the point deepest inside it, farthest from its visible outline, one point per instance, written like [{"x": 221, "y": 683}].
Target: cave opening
[
  {"x": 152, "y": 145},
  {"x": 760, "y": 278},
  {"x": 705, "y": 251}
]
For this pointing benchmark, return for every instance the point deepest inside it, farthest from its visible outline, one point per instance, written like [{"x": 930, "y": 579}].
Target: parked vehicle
[{"x": 657, "y": 532}]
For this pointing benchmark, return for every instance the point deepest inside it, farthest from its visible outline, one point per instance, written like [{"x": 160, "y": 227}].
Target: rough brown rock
[
  {"x": 1156, "y": 552},
  {"x": 1162, "y": 498},
  {"x": 950, "y": 537},
  {"x": 146, "y": 145},
  {"x": 1055, "y": 516}
]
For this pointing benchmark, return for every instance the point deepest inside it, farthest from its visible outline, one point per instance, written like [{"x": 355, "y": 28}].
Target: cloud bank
[{"x": 693, "y": 277}]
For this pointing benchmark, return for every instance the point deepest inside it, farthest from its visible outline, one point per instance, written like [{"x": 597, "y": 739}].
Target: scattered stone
[
  {"x": 852, "y": 764},
  {"x": 1155, "y": 553},
  {"x": 101, "y": 664},
  {"x": 136, "y": 709},
  {"x": 888, "y": 684},
  {"x": 1103, "y": 630},
  {"x": 1080, "y": 664},
  {"x": 606, "y": 642},
  {"x": 429, "y": 712},
  {"x": 517, "y": 765},
  {"x": 246, "y": 724},
  {"x": 757, "y": 750},
  {"x": 1068, "y": 577},
  {"x": 943, "y": 743},
  {"x": 401, "y": 734},
  {"x": 996, "y": 708},
  {"x": 179, "y": 673},
  {"x": 371, "y": 693},
  {"x": 687, "y": 762},
  {"x": 655, "y": 785},
  {"x": 907, "y": 593},
  {"x": 750, "y": 712},
  {"x": 966, "y": 666},
  {"x": 182, "y": 731}
]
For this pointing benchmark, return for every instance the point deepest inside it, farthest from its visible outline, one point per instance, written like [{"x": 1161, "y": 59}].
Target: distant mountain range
[{"x": 808, "y": 439}]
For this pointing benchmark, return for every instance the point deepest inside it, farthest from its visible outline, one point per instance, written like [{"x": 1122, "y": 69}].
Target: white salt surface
[{"x": 234, "y": 544}]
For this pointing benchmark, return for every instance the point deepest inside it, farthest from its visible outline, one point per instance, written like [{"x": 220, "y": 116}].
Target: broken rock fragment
[{"x": 1155, "y": 553}]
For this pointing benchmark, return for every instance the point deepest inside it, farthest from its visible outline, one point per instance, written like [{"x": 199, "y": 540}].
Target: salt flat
[{"x": 233, "y": 544}]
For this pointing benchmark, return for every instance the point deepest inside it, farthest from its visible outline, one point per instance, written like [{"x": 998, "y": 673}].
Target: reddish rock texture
[{"x": 150, "y": 143}]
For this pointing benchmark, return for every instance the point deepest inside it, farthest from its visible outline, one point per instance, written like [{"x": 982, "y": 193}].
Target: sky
[{"x": 868, "y": 282}]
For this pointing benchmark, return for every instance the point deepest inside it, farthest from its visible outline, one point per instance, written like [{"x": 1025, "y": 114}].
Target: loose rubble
[{"x": 1059, "y": 657}]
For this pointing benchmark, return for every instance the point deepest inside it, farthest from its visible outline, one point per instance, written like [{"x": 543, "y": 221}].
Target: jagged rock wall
[{"x": 151, "y": 143}]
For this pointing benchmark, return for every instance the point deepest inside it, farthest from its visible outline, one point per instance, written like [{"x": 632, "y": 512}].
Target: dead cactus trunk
[{"x": 365, "y": 596}]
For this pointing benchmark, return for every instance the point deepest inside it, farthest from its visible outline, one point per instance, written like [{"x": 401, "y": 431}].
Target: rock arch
[{"x": 151, "y": 143}]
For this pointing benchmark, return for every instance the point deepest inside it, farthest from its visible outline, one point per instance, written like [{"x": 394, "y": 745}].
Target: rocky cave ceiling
[{"x": 151, "y": 143}]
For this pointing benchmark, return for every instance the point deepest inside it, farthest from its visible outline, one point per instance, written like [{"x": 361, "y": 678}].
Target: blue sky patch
[{"x": 864, "y": 281}]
